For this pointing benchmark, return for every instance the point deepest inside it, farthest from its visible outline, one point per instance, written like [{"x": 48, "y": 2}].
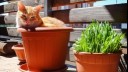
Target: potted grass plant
[{"x": 98, "y": 48}]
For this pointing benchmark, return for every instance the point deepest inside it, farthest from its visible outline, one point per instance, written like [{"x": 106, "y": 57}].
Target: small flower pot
[
  {"x": 46, "y": 48},
  {"x": 19, "y": 50},
  {"x": 86, "y": 62}
]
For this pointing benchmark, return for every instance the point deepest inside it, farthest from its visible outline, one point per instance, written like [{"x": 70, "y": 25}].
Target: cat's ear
[
  {"x": 21, "y": 7},
  {"x": 38, "y": 8}
]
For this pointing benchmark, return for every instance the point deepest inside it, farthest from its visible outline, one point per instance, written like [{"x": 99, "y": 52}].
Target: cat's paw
[{"x": 21, "y": 30}]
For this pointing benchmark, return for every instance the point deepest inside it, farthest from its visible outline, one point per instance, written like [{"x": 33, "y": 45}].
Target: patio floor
[{"x": 10, "y": 64}]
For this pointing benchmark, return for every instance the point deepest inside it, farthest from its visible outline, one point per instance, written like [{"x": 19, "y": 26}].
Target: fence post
[{"x": 47, "y": 7}]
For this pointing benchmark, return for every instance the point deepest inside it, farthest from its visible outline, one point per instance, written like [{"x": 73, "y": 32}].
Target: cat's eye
[{"x": 24, "y": 17}]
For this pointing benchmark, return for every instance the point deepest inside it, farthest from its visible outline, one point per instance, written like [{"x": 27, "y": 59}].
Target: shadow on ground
[
  {"x": 7, "y": 55},
  {"x": 70, "y": 71}
]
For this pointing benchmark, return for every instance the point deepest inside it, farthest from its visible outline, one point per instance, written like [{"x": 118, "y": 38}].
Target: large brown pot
[
  {"x": 19, "y": 50},
  {"x": 86, "y": 62},
  {"x": 46, "y": 48}
]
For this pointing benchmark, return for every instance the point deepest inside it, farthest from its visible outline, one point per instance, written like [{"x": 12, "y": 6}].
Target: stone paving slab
[{"x": 9, "y": 64}]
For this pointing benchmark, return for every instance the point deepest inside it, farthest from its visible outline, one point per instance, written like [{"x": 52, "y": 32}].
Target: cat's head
[{"x": 28, "y": 15}]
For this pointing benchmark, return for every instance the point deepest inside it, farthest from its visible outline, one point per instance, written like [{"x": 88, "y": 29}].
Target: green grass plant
[{"x": 99, "y": 37}]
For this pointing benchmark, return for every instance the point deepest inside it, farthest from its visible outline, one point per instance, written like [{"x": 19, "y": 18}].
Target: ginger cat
[{"x": 28, "y": 17}]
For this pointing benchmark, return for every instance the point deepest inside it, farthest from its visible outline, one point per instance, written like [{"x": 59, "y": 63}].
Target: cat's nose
[{"x": 27, "y": 22}]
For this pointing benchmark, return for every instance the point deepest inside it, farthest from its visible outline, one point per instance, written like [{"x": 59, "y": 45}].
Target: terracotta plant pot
[
  {"x": 46, "y": 48},
  {"x": 97, "y": 62},
  {"x": 19, "y": 50}
]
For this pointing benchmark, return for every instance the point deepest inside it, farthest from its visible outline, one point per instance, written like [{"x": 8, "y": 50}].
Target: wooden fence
[
  {"x": 11, "y": 8},
  {"x": 116, "y": 13},
  {"x": 74, "y": 14}
]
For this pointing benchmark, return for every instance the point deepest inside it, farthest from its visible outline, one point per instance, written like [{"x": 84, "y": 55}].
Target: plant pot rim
[
  {"x": 40, "y": 29},
  {"x": 15, "y": 47},
  {"x": 53, "y": 28},
  {"x": 82, "y": 53}
]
